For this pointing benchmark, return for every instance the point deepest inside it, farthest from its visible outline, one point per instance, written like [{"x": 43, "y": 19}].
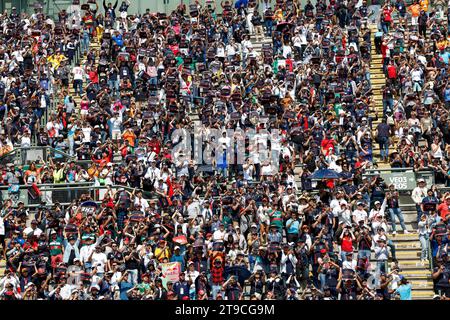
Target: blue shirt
[
  {"x": 445, "y": 56},
  {"x": 405, "y": 291},
  {"x": 294, "y": 226},
  {"x": 124, "y": 287}
]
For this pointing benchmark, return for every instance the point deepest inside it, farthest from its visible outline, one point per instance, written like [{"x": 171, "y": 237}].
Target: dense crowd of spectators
[{"x": 154, "y": 73}]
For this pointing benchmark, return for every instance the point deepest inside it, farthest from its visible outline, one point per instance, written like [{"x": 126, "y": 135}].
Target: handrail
[
  {"x": 430, "y": 254},
  {"x": 69, "y": 192},
  {"x": 390, "y": 169},
  {"x": 47, "y": 150}
]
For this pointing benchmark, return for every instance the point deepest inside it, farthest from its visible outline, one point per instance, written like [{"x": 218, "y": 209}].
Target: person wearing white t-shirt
[
  {"x": 220, "y": 51},
  {"x": 416, "y": 77},
  {"x": 141, "y": 202},
  {"x": 335, "y": 204},
  {"x": 349, "y": 263},
  {"x": 191, "y": 273},
  {"x": 78, "y": 75},
  {"x": 230, "y": 50},
  {"x": 219, "y": 234},
  {"x": 193, "y": 209},
  {"x": 33, "y": 229},
  {"x": 360, "y": 215},
  {"x": 99, "y": 260}
]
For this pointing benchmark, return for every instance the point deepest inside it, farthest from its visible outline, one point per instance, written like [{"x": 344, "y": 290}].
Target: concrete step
[
  {"x": 376, "y": 81},
  {"x": 374, "y": 75},
  {"x": 422, "y": 284},
  {"x": 414, "y": 277},
  {"x": 422, "y": 295},
  {"x": 409, "y": 236},
  {"x": 406, "y": 246},
  {"x": 414, "y": 267},
  {"x": 377, "y": 73},
  {"x": 407, "y": 255}
]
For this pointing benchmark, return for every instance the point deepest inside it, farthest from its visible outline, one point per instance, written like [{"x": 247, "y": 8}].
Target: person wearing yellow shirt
[
  {"x": 278, "y": 15},
  {"x": 162, "y": 251},
  {"x": 442, "y": 44},
  {"x": 55, "y": 60},
  {"x": 58, "y": 173},
  {"x": 415, "y": 12},
  {"x": 424, "y": 5}
]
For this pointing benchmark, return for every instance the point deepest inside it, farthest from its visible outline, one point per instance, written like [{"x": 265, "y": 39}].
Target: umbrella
[
  {"x": 325, "y": 174},
  {"x": 240, "y": 272},
  {"x": 284, "y": 25}
]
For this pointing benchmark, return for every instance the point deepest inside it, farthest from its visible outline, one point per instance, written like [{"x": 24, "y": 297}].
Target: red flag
[
  {"x": 170, "y": 187},
  {"x": 170, "y": 191}
]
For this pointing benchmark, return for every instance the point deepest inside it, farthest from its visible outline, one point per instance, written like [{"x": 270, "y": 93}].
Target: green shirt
[
  {"x": 276, "y": 219},
  {"x": 226, "y": 220},
  {"x": 143, "y": 287},
  {"x": 55, "y": 247}
]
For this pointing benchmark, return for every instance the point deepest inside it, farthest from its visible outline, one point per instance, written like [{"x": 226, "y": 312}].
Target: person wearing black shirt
[
  {"x": 268, "y": 21},
  {"x": 160, "y": 291},
  {"x": 110, "y": 9},
  {"x": 393, "y": 206},
  {"x": 377, "y": 190},
  {"x": 257, "y": 24},
  {"x": 383, "y": 134},
  {"x": 423, "y": 22},
  {"x": 441, "y": 277}
]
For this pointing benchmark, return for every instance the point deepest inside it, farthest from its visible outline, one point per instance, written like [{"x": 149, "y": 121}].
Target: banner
[
  {"x": 170, "y": 272},
  {"x": 88, "y": 208},
  {"x": 181, "y": 240}
]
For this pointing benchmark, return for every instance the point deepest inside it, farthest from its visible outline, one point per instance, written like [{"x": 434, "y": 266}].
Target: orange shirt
[
  {"x": 443, "y": 210},
  {"x": 424, "y": 5},
  {"x": 415, "y": 10},
  {"x": 130, "y": 136}
]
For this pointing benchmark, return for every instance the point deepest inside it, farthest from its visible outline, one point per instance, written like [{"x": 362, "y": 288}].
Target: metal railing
[
  {"x": 24, "y": 156},
  {"x": 430, "y": 255},
  {"x": 63, "y": 193}
]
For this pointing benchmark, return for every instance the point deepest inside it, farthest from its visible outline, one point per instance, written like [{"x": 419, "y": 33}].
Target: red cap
[{"x": 323, "y": 250}]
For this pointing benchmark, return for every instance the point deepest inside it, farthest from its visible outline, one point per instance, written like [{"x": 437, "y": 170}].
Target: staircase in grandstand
[
  {"x": 94, "y": 46},
  {"x": 377, "y": 81},
  {"x": 407, "y": 245},
  {"x": 408, "y": 250}
]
